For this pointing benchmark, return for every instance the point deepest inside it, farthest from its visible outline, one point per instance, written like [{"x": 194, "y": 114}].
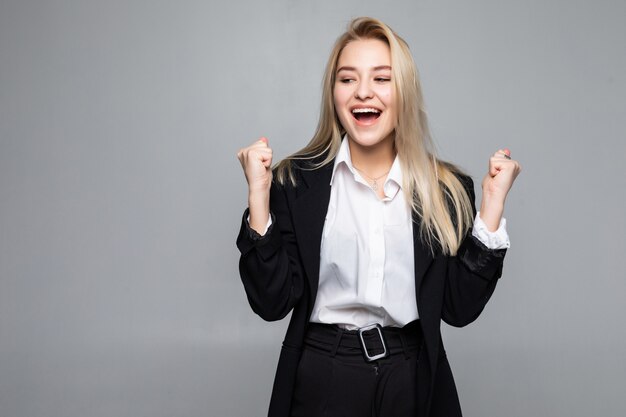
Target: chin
[{"x": 369, "y": 139}]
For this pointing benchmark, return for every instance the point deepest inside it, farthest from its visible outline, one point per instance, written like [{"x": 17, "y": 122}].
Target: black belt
[{"x": 374, "y": 342}]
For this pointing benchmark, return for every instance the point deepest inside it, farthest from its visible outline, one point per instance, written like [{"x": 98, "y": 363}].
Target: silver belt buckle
[{"x": 379, "y": 328}]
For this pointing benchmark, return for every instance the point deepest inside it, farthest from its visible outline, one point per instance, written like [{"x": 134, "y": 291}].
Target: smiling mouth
[{"x": 366, "y": 114}]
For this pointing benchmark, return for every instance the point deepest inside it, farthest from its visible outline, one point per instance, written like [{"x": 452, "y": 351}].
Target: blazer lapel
[
  {"x": 309, "y": 215},
  {"x": 422, "y": 256},
  {"x": 430, "y": 328}
]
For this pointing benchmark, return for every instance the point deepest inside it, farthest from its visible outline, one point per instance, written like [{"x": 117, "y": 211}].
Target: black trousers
[{"x": 334, "y": 378}]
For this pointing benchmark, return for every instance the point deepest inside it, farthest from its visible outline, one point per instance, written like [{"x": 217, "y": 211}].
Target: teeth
[{"x": 366, "y": 110}]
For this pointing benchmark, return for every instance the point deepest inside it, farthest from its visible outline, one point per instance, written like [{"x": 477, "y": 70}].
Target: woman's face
[{"x": 363, "y": 92}]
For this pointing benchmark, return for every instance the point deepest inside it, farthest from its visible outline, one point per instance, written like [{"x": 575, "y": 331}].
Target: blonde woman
[{"x": 369, "y": 241}]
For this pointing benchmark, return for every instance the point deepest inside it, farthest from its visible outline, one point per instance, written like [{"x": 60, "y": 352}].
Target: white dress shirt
[{"x": 366, "y": 257}]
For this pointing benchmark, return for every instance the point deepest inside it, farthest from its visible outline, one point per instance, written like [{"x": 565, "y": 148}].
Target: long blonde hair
[{"x": 431, "y": 186}]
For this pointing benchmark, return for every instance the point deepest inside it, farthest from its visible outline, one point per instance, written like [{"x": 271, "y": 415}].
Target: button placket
[{"x": 377, "y": 253}]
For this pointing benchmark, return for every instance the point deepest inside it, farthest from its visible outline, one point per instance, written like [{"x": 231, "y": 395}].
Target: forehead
[{"x": 365, "y": 53}]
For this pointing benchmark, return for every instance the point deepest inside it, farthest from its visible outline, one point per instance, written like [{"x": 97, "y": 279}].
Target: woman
[{"x": 370, "y": 241}]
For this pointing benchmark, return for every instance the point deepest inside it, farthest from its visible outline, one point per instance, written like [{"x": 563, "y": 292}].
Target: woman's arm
[
  {"x": 472, "y": 274},
  {"x": 269, "y": 265},
  {"x": 256, "y": 161}
]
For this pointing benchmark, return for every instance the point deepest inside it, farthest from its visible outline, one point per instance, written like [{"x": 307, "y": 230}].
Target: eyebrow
[{"x": 378, "y": 68}]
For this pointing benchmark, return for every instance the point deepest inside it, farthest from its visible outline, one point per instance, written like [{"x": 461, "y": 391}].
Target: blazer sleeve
[
  {"x": 471, "y": 276},
  {"x": 270, "y": 267}
]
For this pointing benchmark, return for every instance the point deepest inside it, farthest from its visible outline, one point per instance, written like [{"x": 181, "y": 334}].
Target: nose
[{"x": 363, "y": 91}]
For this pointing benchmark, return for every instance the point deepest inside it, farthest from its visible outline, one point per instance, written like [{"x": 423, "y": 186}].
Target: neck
[{"x": 373, "y": 160}]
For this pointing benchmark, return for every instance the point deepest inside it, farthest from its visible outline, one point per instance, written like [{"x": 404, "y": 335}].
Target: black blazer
[{"x": 280, "y": 273}]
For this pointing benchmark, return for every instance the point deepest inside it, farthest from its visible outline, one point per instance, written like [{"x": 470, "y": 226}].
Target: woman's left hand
[{"x": 496, "y": 185}]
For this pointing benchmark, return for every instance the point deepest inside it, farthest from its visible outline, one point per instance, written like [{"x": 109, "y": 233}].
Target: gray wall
[{"x": 121, "y": 195}]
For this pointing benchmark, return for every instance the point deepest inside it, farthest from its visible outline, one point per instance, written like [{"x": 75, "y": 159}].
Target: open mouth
[{"x": 368, "y": 114}]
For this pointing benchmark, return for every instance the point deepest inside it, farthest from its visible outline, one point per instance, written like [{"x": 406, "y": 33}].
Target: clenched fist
[{"x": 256, "y": 161}]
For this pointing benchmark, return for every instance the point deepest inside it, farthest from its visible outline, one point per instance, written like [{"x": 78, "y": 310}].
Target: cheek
[
  {"x": 386, "y": 96},
  {"x": 340, "y": 99},
  {"x": 340, "y": 96}
]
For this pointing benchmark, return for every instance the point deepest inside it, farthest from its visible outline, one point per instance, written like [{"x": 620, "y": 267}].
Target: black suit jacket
[{"x": 280, "y": 274}]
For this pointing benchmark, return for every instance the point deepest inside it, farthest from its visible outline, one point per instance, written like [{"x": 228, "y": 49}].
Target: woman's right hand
[{"x": 256, "y": 161}]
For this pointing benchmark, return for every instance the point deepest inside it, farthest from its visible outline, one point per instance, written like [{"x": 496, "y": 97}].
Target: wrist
[
  {"x": 260, "y": 188},
  {"x": 491, "y": 212},
  {"x": 259, "y": 209}
]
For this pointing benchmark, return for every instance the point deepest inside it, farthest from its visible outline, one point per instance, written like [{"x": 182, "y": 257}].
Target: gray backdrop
[{"x": 121, "y": 196}]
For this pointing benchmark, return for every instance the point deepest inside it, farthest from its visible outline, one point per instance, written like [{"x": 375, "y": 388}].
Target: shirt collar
[
  {"x": 343, "y": 158},
  {"x": 393, "y": 183}
]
